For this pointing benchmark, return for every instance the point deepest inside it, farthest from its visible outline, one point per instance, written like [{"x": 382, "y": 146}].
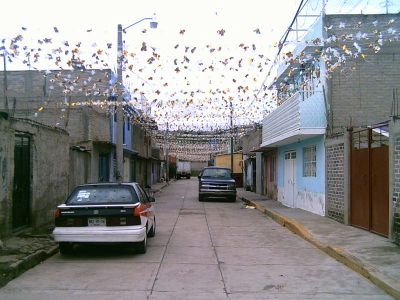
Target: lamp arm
[{"x": 136, "y": 23}]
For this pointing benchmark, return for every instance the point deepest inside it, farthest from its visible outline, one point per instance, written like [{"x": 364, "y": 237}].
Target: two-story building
[{"x": 333, "y": 91}]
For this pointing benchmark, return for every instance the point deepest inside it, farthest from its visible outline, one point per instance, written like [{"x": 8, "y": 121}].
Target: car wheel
[
  {"x": 142, "y": 246},
  {"x": 152, "y": 231},
  {"x": 66, "y": 248}
]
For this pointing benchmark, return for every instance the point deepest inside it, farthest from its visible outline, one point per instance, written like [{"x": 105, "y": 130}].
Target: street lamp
[{"x": 120, "y": 114}]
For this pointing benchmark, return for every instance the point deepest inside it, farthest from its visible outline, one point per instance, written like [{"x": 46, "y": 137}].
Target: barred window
[{"x": 310, "y": 161}]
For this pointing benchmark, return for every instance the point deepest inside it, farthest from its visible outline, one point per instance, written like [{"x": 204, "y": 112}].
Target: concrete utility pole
[
  {"x": 5, "y": 81},
  {"x": 231, "y": 135},
  {"x": 120, "y": 101},
  {"x": 166, "y": 155}
]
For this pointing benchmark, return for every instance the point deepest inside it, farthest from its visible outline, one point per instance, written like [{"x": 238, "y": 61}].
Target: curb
[
  {"x": 384, "y": 282},
  {"x": 28, "y": 262}
]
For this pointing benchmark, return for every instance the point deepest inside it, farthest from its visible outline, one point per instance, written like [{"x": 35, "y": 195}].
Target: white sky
[{"x": 200, "y": 20}]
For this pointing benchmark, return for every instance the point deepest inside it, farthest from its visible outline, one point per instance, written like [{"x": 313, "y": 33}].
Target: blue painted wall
[{"x": 314, "y": 184}]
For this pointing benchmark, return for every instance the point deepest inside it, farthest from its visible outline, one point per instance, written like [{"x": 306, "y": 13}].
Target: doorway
[
  {"x": 370, "y": 180},
  {"x": 22, "y": 181},
  {"x": 290, "y": 178}
]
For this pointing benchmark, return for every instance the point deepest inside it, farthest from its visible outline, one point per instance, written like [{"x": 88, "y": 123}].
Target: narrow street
[{"x": 202, "y": 250}]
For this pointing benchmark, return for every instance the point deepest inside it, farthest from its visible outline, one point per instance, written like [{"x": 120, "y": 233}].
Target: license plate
[{"x": 96, "y": 221}]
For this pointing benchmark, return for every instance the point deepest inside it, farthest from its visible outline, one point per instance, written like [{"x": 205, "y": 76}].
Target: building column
[{"x": 259, "y": 173}]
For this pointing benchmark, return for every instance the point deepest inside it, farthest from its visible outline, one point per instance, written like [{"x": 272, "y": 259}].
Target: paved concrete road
[{"x": 202, "y": 250}]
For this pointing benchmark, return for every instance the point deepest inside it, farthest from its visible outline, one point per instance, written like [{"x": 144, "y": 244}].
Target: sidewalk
[
  {"x": 26, "y": 250},
  {"x": 371, "y": 255}
]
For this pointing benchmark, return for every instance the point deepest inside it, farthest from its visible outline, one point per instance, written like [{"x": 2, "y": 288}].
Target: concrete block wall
[
  {"x": 396, "y": 181},
  {"x": 361, "y": 89},
  {"x": 335, "y": 182},
  {"x": 45, "y": 97},
  {"x": 251, "y": 140}
]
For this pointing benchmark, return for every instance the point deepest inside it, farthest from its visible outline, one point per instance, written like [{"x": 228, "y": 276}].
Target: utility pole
[
  {"x": 230, "y": 102},
  {"x": 120, "y": 101},
  {"x": 5, "y": 81},
  {"x": 120, "y": 115},
  {"x": 166, "y": 155}
]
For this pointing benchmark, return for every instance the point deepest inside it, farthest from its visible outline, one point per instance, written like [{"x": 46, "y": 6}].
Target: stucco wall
[
  {"x": 50, "y": 165},
  {"x": 310, "y": 191},
  {"x": 6, "y": 174}
]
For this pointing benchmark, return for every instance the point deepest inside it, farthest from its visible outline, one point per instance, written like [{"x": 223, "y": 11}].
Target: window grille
[{"x": 310, "y": 161}]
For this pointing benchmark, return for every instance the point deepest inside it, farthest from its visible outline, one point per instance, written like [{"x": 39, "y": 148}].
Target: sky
[{"x": 203, "y": 56}]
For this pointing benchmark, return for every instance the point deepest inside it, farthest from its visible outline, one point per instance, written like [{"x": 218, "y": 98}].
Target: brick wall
[{"x": 335, "y": 182}]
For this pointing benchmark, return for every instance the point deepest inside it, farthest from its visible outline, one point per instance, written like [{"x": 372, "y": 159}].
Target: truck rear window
[
  {"x": 217, "y": 173},
  {"x": 103, "y": 195}
]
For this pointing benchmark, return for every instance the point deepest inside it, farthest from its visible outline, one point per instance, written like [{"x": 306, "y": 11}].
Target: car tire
[
  {"x": 152, "y": 231},
  {"x": 142, "y": 246},
  {"x": 66, "y": 248}
]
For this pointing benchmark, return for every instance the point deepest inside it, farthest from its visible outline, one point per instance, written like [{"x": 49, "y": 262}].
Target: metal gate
[
  {"x": 22, "y": 182},
  {"x": 370, "y": 179}
]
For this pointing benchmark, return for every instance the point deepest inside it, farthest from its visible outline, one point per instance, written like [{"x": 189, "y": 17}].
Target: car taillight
[
  {"x": 57, "y": 213},
  {"x": 139, "y": 210}
]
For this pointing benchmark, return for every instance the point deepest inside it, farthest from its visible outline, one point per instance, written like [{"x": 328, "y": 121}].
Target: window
[
  {"x": 123, "y": 132},
  {"x": 100, "y": 194},
  {"x": 310, "y": 161},
  {"x": 290, "y": 155},
  {"x": 217, "y": 173}
]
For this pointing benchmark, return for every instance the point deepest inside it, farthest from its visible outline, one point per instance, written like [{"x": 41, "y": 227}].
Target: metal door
[
  {"x": 380, "y": 190},
  {"x": 104, "y": 168},
  {"x": 290, "y": 179},
  {"x": 360, "y": 205},
  {"x": 22, "y": 182},
  {"x": 370, "y": 180}
]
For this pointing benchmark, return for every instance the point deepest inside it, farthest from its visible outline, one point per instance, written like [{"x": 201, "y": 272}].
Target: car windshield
[
  {"x": 217, "y": 173},
  {"x": 111, "y": 194}
]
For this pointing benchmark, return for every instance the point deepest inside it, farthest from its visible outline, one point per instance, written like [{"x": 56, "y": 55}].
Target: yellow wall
[{"x": 224, "y": 160}]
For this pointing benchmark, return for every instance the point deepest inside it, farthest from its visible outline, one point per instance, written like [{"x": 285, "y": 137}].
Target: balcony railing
[
  {"x": 296, "y": 118},
  {"x": 286, "y": 118}
]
